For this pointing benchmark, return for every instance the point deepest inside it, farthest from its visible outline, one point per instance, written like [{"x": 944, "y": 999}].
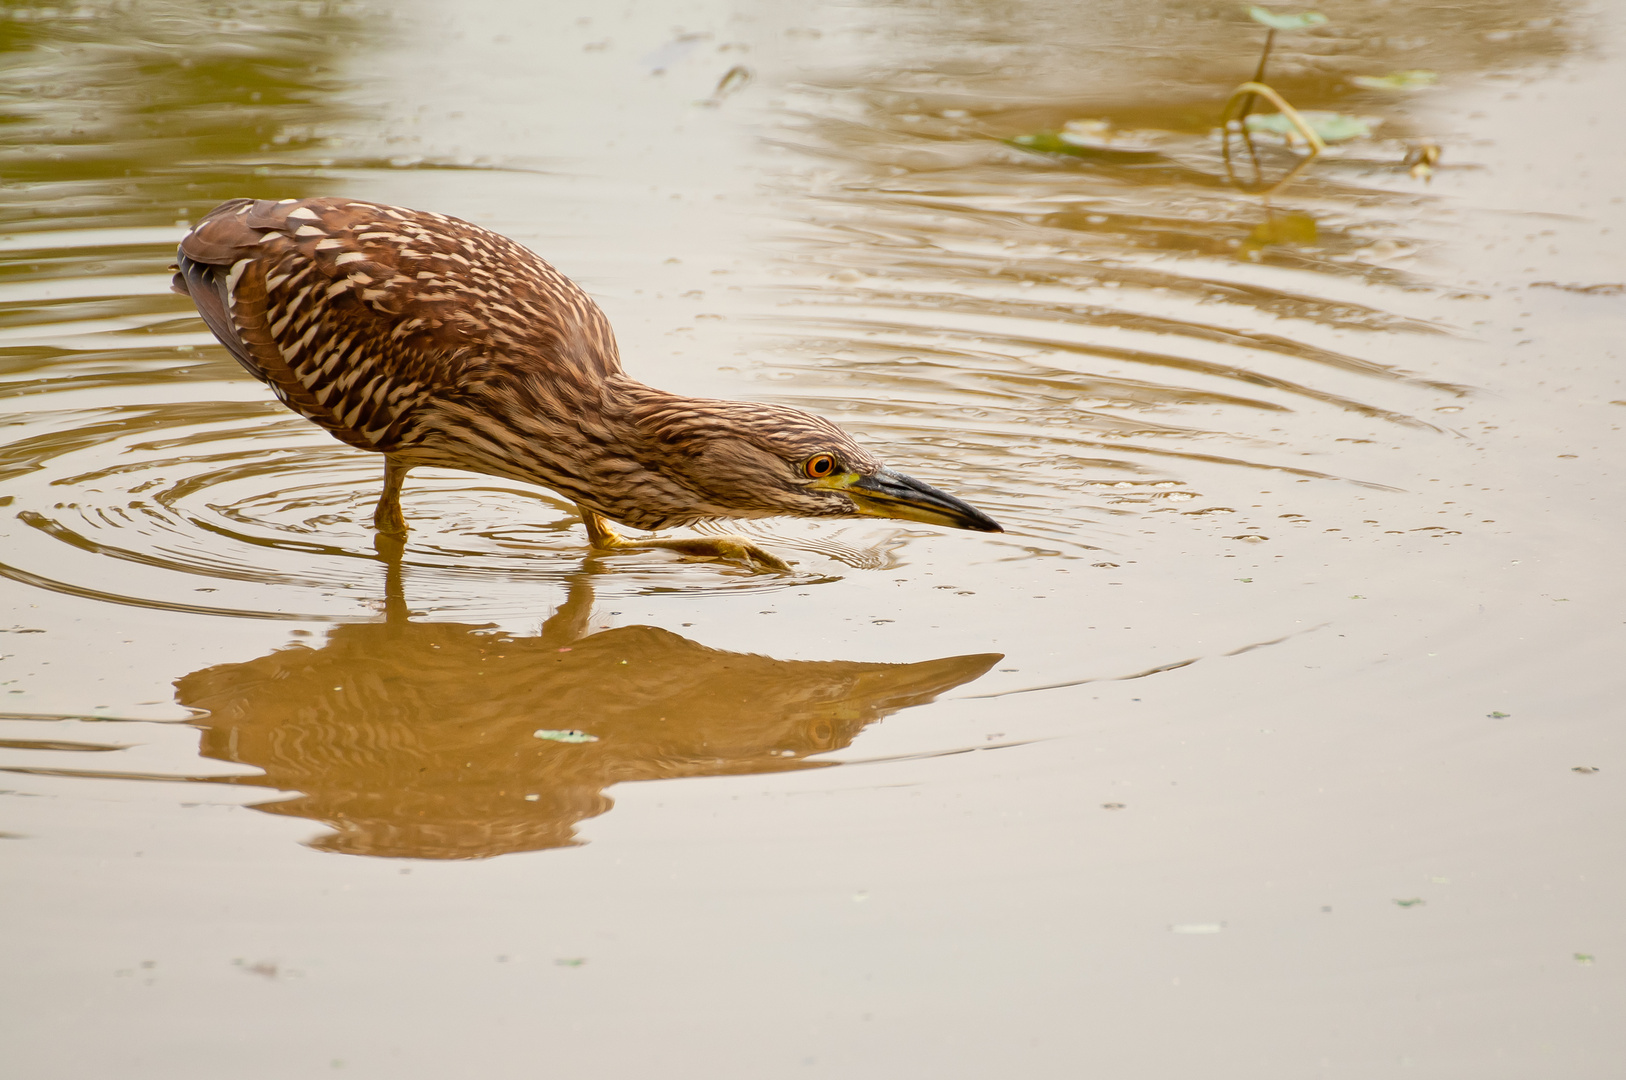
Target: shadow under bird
[{"x": 435, "y": 342}]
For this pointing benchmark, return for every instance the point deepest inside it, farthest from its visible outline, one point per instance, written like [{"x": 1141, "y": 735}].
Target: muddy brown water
[{"x": 1277, "y": 737}]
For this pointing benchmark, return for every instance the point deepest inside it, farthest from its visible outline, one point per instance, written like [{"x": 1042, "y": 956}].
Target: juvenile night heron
[{"x": 435, "y": 342}]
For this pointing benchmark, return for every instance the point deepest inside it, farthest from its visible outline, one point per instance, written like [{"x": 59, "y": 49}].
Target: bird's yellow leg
[
  {"x": 728, "y": 548},
  {"x": 388, "y": 518}
]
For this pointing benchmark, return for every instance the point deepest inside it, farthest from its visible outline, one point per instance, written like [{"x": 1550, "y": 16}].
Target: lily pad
[
  {"x": 1081, "y": 141},
  {"x": 1399, "y": 80},
  {"x": 1301, "y": 21},
  {"x": 1330, "y": 126},
  {"x": 564, "y": 736}
]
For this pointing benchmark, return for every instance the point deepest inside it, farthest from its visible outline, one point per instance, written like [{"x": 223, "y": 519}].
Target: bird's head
[{"x": 755, "y": 460}]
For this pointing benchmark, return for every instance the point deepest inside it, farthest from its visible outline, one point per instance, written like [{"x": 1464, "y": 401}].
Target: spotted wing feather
[{"x": 365, "y": 318}]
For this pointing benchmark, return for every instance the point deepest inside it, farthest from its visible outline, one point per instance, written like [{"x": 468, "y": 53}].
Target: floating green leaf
[
  {"x": 1302, "y": 21},
  {"x": 1413, "y": 902},
  {"x": 1330, "y": 126},
  {"x": 1075, "y": 141},
  {"x": 1584, "y": 958},
  {"x": 564, "y": 736},
  {"x": 1399, "y": 80},
  {"x": 1101, "y": 135}
]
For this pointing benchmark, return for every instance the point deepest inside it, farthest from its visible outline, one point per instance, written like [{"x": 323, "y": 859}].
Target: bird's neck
[
  {"x": 633, "y": 452},
  {"x": 645, "y": 413},
  {"x": 611, "y": 444}
]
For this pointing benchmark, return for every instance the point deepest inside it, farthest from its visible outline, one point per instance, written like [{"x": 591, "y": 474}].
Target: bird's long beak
[{"x": 891, "y": 494}]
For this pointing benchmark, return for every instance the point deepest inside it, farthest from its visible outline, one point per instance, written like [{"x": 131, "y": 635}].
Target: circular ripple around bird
[{"x": 230, "y": 508}]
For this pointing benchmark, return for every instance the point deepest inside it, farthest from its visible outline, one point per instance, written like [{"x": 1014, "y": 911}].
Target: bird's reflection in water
[{"x": 418, "y": 739}]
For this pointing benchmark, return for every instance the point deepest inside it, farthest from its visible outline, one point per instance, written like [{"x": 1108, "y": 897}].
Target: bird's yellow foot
[
  {"x": 387, "y": 518},
  {"x": 726, "y": 548}
]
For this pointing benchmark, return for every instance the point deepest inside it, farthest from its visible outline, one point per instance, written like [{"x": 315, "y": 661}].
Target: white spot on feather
[
  {"x": 233, "y": 277},
  {"x": 292, "y": 352}
]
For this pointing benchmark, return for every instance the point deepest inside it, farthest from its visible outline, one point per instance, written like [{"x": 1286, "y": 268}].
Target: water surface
[{"x": 1275, "y": 737}]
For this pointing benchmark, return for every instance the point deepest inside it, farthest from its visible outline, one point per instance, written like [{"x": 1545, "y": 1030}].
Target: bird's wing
[
  {"x": 357, "y": 313},
  {"x": 202, "y": 266}
]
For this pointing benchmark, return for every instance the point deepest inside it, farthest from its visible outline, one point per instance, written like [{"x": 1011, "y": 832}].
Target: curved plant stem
[{"x": 1246, "y": 93}]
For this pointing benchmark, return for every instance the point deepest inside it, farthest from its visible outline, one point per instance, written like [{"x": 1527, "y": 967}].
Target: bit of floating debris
[
  {"x": 1416, "y": 79},
  {"x": 564, "y": 736},
  {"x": 1283, "y": 21}
]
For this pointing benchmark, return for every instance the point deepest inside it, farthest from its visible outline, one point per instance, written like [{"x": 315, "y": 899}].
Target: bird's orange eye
[{"x": 819, "y": 466}]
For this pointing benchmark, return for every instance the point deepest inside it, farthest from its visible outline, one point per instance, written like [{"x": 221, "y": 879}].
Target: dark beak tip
[
  {"x": 977, "y": 521},
  {"x": 973, "y": 520}
]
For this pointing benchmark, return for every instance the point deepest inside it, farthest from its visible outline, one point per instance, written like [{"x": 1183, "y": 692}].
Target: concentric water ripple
[{"x": 234, "y": 509}]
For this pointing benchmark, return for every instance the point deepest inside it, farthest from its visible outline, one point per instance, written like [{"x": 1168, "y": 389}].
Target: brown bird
[{"x": 436, "y": 342}]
